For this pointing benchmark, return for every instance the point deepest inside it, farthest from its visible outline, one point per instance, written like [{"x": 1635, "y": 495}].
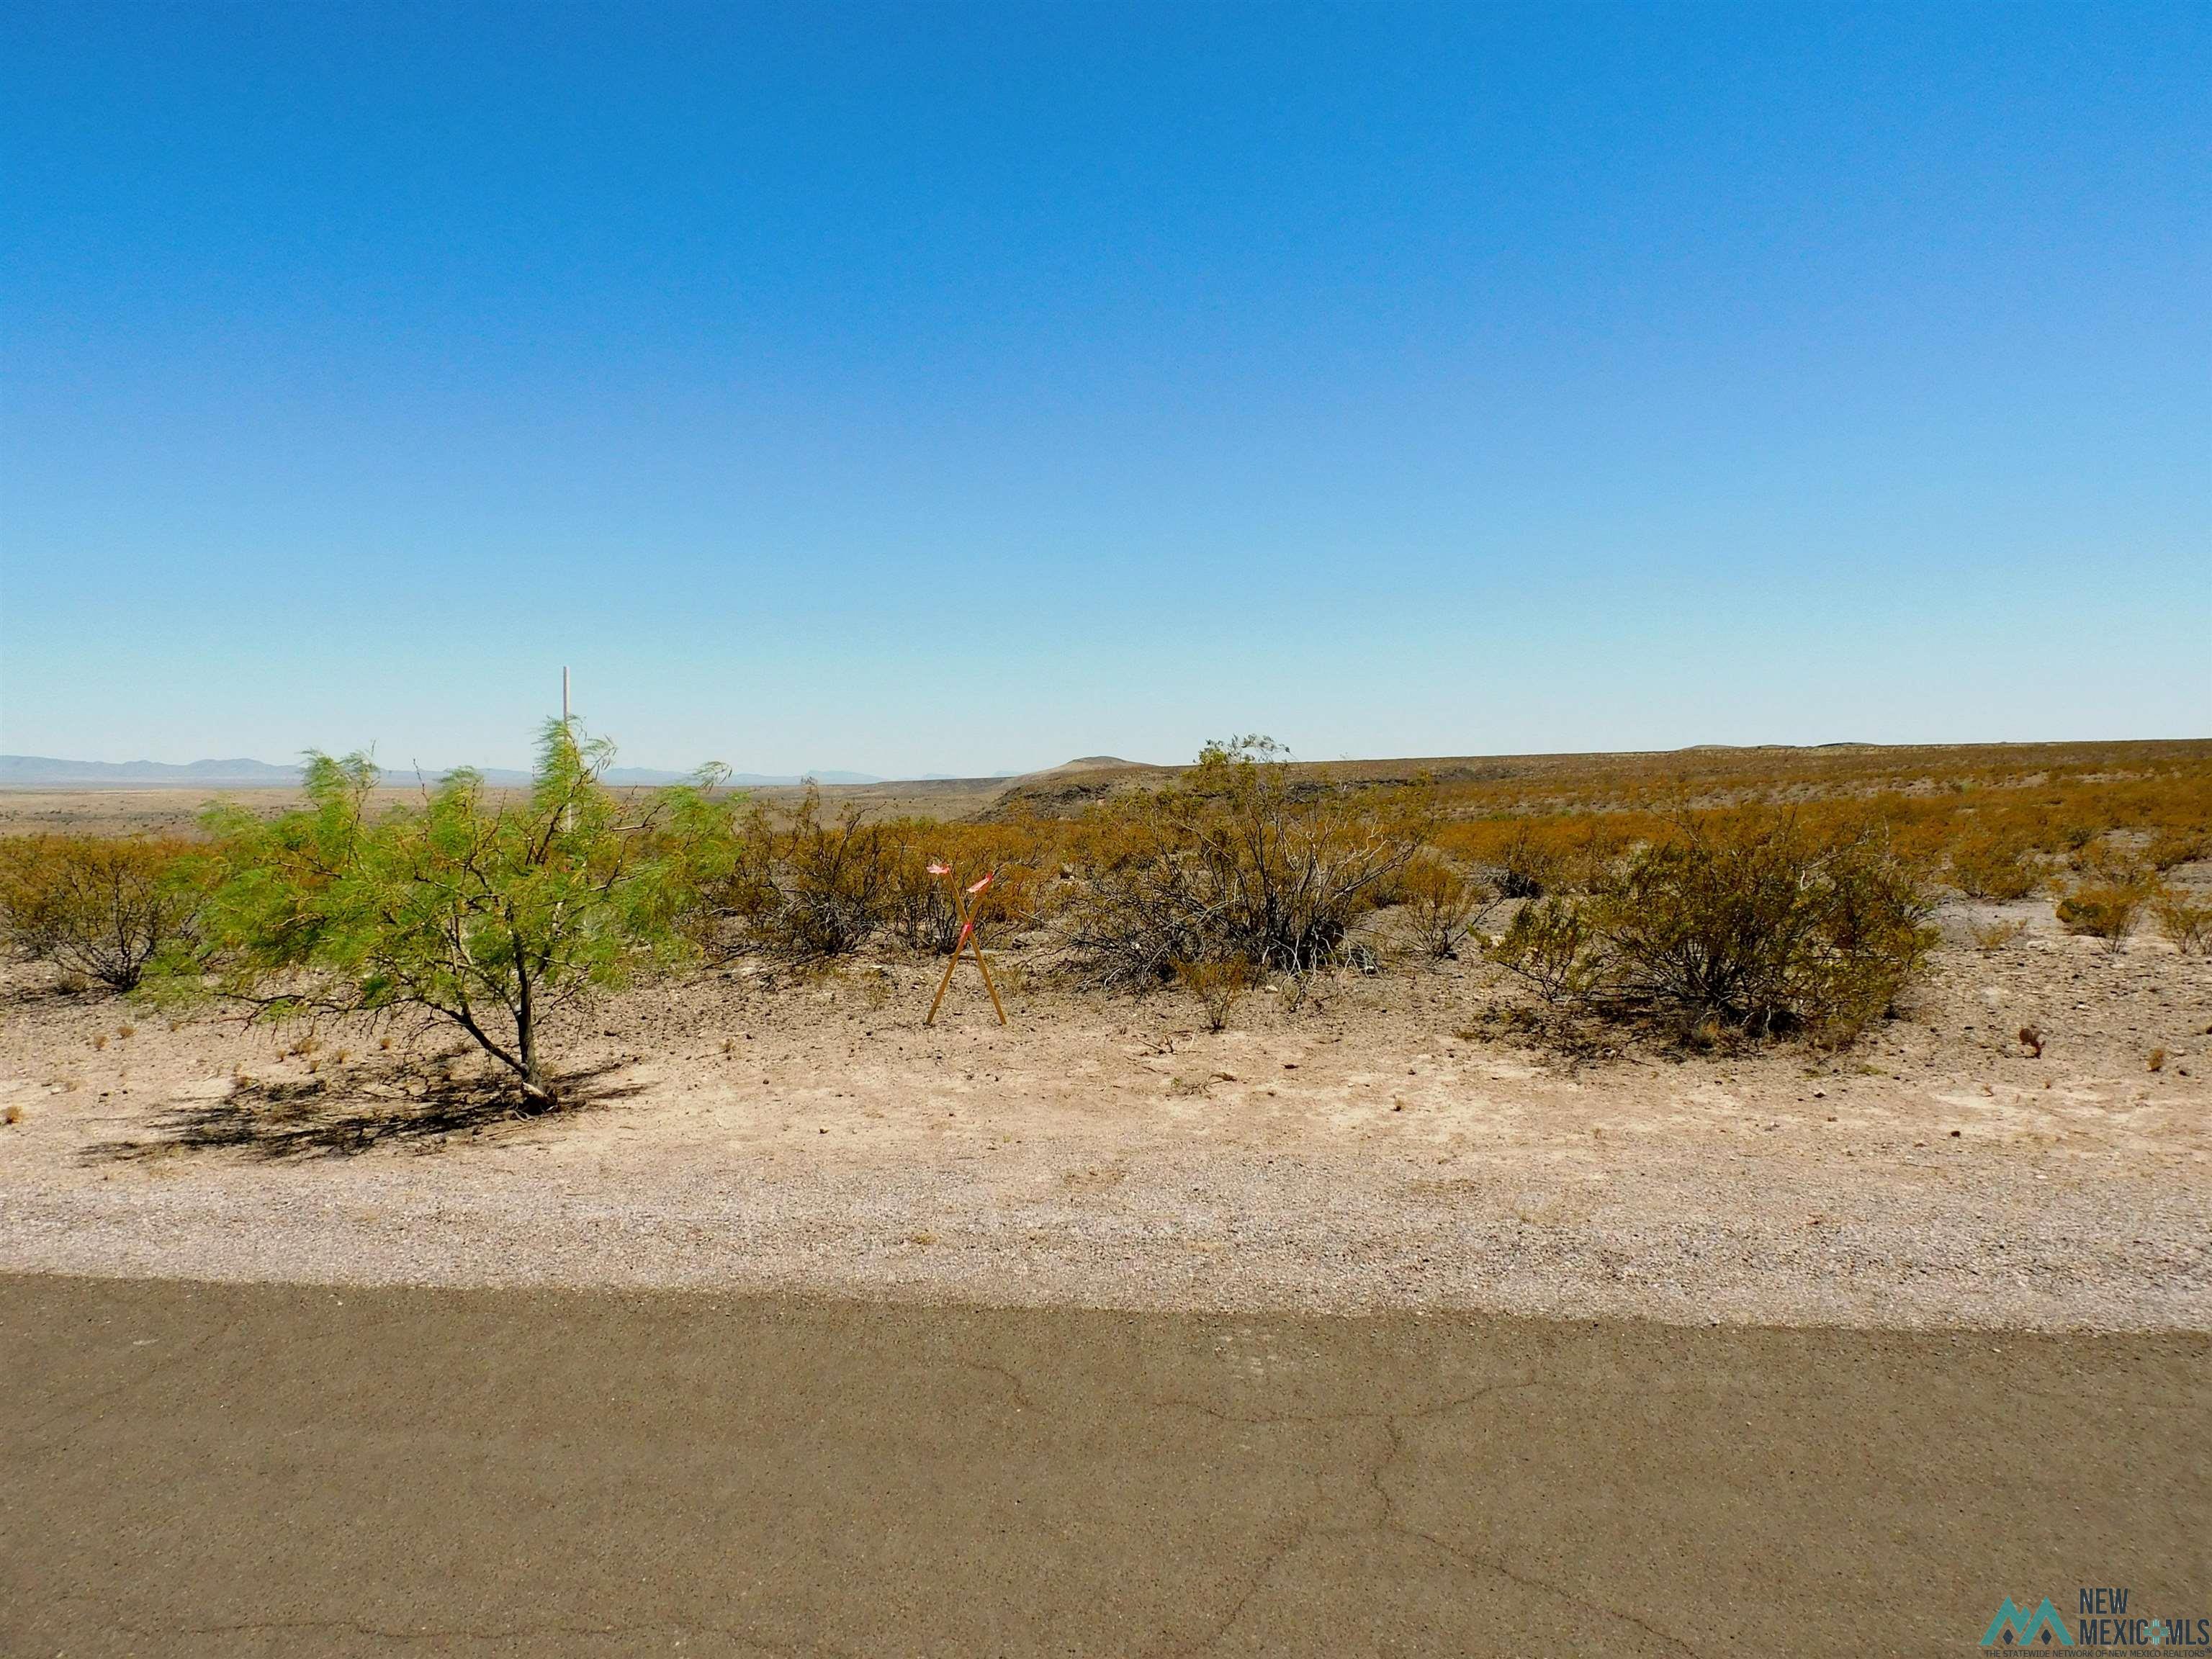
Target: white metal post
[{"x": 567, "y": 733}]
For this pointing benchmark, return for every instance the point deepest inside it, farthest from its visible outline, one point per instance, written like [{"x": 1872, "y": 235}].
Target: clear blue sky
[{"x": 950, "y": 388}]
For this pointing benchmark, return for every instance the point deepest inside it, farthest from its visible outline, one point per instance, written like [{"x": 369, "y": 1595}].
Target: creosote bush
[
  {"x": 1441, "y": 908},
  {"x": 833, "y": 882},
  {"x": 811, "y": 890},
  {"x": 1748, "y": 926},
  {"x": 2105, "y": 905},
  {"x": 2011, "y": 808},
  {"x": 1991, "y": 937},
  {"x": 2170, "y": 848},
  {"x": 925, "y": 906},
  {"x": 2185, "y": 921},
  {"x": 101, "y": 909},
  {"x": 1239, "y": 861},
  {"x": 462, "y": 909},
  {"x": 1527, "y": 863},
  {"x": 1993, "y": 868}
]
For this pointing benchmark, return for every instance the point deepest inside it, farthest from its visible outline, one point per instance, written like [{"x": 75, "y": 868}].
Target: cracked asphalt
[{"x": 242, "y": 1469}]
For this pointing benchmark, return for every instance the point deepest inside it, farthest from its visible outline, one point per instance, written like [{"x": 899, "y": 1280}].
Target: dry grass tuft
[
  {"x": 1991, "y": 937},
  {"x": 1219, "y": 986}
]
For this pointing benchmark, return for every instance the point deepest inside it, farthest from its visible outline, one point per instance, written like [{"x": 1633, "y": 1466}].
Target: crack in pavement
[
  {"x": 1300, "y": 1531},
  {"x": 1391, "y": 1523},
  {"x": 368, "y": 1323},
  {"x": 1006, "y": 1374},
  {"x": 1388, "y": 1522}
]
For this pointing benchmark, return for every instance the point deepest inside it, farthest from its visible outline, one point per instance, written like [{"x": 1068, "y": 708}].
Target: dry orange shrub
[
  {"x": 811, "y": 886},
  {"x": 1020, "y": 857},
  {"x": 2001, "y": 825},
  {"x": 98, "y": 907},
  {"x": 1244, "y": 859}
]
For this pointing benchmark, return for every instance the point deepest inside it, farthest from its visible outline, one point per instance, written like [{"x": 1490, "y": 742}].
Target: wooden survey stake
[{"x": 965, "y": 908}]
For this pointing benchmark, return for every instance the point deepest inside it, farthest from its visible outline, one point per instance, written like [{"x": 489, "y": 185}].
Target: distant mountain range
[{"x": 43, "y": 771}]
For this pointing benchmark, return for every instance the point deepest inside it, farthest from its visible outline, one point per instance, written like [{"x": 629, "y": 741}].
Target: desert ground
[{"x": 1385, "y": 1143}]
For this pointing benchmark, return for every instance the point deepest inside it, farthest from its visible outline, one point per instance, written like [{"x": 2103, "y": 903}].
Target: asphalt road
[{"x": 194, "y": 1469}]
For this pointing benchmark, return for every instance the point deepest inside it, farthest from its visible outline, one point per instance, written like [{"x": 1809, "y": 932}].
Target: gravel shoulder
[{"x": 1376, "y": 1147}]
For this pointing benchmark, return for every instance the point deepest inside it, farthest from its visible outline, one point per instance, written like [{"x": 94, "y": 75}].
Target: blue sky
[{"x": 941, "y": 388}]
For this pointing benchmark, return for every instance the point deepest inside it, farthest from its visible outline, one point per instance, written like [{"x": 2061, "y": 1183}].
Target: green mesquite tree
[{"x": 482, "y": 913}]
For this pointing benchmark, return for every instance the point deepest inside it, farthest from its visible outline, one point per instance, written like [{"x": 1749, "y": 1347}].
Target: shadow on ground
[{"x": 315, "y": 1117}]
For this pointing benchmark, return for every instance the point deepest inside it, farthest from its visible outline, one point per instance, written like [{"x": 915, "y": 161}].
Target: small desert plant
[
  {"x": 810, "y": 889},
  {"x": 96, "y": 908},
  {"x": 2185, "y": 921},
  {"x": 484, "y": 914},
  {"x": 1442, "y": 906},
  {"x": 1219, "y": 986},
  {"x": 1750, "y": 925},
  {"x": 2171, "y": 848},
  {"x": 1555, "y": 944},
  {"x": 1992, "y": 868},
  {"x": 1527, "y": 864},
  {"x": 2105, "y": 905},
  {"x": 1991, "y": 937}
]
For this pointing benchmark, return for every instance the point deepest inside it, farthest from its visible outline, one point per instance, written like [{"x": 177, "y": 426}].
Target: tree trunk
[{"x": 536, "y": 1092}]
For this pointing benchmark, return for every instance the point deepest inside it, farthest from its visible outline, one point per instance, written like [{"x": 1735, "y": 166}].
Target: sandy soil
[{"x": 1370, "y": 1149}]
